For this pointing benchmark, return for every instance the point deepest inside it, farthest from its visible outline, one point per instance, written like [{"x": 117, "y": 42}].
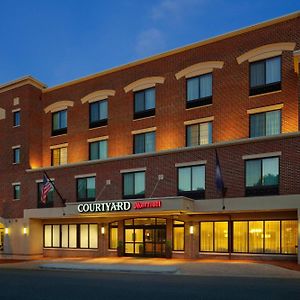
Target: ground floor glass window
[
  {"x": 178, "y": 236},
  {"x": 113, "y": 235}
]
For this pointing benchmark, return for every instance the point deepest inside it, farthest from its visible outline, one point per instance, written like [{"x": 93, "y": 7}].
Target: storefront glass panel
[
  {"x": 206, "y": 236},
  {"x": 272, "y": 236},
  {"x": 93, "y": 236},
  {"x": 56, "y": 236},
  {"x": 48, "y": 236},
  {"x": 221, "y": 237},
  {"x": 64, "y": 236},
  {"x": 84, "y": 236},
  {"x": 72, "y": 236},
  {"x": 289, "y": 236},
  {"x": 256, "y": 237},
  {"x": 240, "y": 237},
  {"x": 178, "y": 236}
]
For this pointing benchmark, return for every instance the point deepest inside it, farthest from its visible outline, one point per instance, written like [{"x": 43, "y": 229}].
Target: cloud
[{"x": 150, "y": 41}]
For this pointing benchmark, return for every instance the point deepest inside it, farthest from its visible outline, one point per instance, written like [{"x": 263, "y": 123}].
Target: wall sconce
[
  {"x": 6, "y": 230},
  {"x": 25, "y": 230},
  {"x": 102, "y": 230},
  {"x": 192, "y": 229}
]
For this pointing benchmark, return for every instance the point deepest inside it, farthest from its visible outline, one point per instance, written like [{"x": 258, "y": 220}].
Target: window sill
[
  {"x": 16, "y": 126},
  {"x": 54, "y": 136},
  {"x": 265, "y": 94},
  {"x": 15, "y": 163},
  {"x": 144, "y": 118},
  {"x": 93, "y": 128},
  {"x": 201, "y": 106},
  {"x": 16, "y": 200}
]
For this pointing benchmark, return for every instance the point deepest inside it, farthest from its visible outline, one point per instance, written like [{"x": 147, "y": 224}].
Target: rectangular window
[
  {"x": 178, "y": 236},
  {"x": 144, "y": 103},
  {"x": 272, "y": 236},
  {"x": 262, "y": 176},
  {"x": 113, "y": 235},
  {"x": 191, "y": 182},
  {"x": 98, "y": 150},
  {"x": 134, "y": 185},
  {"x": 83, "y": 236},
  {"x": 16, "y": 191},
  {"x": 16, "y": 118},
  {"x": 98, "y": 113},
  {"x": 264, "y": 124},
  {"x": 256, "y": 236},
  {"x": 265, "y": 76},
  {"x": 240, "y": 236},
  {"x": 49, "y": 199},
  {"x": 144, "y": 142},
  {"x": 86, "y": 189},
  {"x": 59, "y": 156},
  {"x": 207, "y": 236},
  {"x": 59, "y": 122},
  {"x": 16, "y": 155},
  {"x": 199, "y": 134},
  {"x": 199, "y": 90},
  {"x": 289, "y": 236}
]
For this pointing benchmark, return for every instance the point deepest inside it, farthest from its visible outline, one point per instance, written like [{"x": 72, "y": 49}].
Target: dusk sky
[{"x": 61, "y": 40}]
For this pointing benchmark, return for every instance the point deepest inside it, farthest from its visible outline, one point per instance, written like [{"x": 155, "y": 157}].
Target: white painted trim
[
  {"x": 16, "y": 183},
  {"x": 85, "y": 175},
  {"x": 100, "y": 138},
  {"x": 201, "y": 120},
  {"x": 133, "y": 170},
  {"x": 150, "y": 129},
  {"x": 16, "y": 147},
  {"x": 41, "y": 180},
  {"x": 59, "y": 146},
  {"x": 264, "y": 109},
  {"x": 261, "y": 155},
  {"x": 191, "y": 163},
  {"x": 15, "y": 110}
]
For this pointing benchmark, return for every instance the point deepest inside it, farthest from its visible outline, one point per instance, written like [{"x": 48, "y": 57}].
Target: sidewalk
[{"x": 197, "y": 267}]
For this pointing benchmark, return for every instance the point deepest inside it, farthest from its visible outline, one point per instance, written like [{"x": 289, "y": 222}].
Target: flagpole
[{"x": 58, "y": 193}]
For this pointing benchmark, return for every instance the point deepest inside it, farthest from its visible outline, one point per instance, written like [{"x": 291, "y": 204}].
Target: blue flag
[{"x": 219, "y": 178}]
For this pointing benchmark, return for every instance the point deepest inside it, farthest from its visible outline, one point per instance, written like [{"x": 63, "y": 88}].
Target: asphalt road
[{"x": 56, "y": 285}]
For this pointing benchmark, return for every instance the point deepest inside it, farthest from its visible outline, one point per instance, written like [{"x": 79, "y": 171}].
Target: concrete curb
[{"x": 111, "y": 268}]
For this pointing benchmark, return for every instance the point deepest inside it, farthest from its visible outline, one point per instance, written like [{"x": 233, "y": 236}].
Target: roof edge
[{"x": 230, "y": 34}]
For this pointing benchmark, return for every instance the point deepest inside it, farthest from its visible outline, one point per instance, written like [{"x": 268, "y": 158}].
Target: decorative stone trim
[
  {"x": 191, "y": 163},
  {"x": 97, "y": 95},
  {"x": 201, "y": 120},
  {"x": 199, "y": 69},
  {"x": 265, "y": 51},
  {"x": 100, "y": 138},
  {"x": 144, "y": 83},
  {"x": 15, "y": 110},
  {"x": 261, "y": 155},
  {"x": 133, "y": 170},
  {"x": 57, "y": 106},
  {"x": 16, "y": 183},
  {"x": 16, "y": 101},
  {"x": 85, "y": 175},
  {"x": 296, "y": 61},
  {"x": 2, "y": 114},
  {"x": 264, "y": 109},
  {"x": 16, "y": 147},
  {"x": 150, "y": 129},
  {"x": 59, "y": 146}
]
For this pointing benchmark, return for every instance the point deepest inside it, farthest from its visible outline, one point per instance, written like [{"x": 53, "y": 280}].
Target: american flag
[{"x": 46, "y": 188}]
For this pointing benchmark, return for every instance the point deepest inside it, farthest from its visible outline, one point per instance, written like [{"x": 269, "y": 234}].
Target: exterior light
[
  {"x": 6, "y": 230},
  {"x": 102, "y": 230},
  {"x": 25, "y": 230},
  {"x": 191, "y": 229}
]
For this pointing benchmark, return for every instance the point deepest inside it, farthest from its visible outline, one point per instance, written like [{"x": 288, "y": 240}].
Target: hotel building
[{"x": 132, "y": 152}]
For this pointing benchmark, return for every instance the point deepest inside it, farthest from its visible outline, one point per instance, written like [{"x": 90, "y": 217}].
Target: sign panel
[{"x": 104, "y": 207}]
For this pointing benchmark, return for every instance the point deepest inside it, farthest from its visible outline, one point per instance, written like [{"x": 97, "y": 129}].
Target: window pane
[
  {"x": 93, "y": 236},
  {"x": 272, "y": 236},
  {"x": 48, "y": 236},
  {"x": 55, "y": 121},
  {"x": 64, "y": 236},
  {"x": 113, "y": 236},
  {"x": 55, "y": 157},
  {"x": 256, "y": 236},
  {"x": 84, "y": 235},
  {"x": 139, "y": 183},
  {"x": 240, "y": 236},
  {"x": 139, "y": 143},
  {"x": 63, "y": 156},
  {"x": 273, "y": 70},
  {"x": 257, "y": 125},
  {"x": 56, "y": 236},
  {"x": 192, "y": 135},
  {"x": 81, "y": 188},
  {"x": 94, "y": 112},
  {"x": 193, "y": 89},
  {"x": 184, "y": 179},
  {"x": 198, "y": 178},
  {"x": 139, "y": 104},
  {"x": 128, "y": 184},
  {"x": 103, "y": 149},
  {"x": 150, "y": 142},
  {"x": 63, "y": 119},
  {"x": 178, "y": 238},
  {"x": 273, "y": 122},
  {"x": 253, "y": 173},
  {"x": 204, "y": 137},
  {"x": 257, "y": 74},
  {"x": 271, "y": 171},
  {"x": 94, "y": 152},
  {"x": 221, "y": 236},
  {"x": 91, "y": 188},
  {"x": 149, "y": 99},
  {"x": 206, "y": 236},
  {"x": 205, "y": 85},
  {"x": 289, "y": 236},
  {"x": 72, "y": 236},
  {"x": 16, "y": 118},
  {"x": 103, "y": 110}
]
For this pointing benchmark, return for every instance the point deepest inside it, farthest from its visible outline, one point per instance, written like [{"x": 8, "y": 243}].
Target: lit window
[
  {"x": 144, "y": 142},
  {"x": 16, "y": 155},
  {"x": 265, "y": 75},
  {"x": 178, "y": 236},
  {"x": 16, "y": 118},
  {"x": 134, "y": 185},
  {"x": 113, "y": 235},
  {"x": 98, "y": 113},
  {"x": 59, "y": 122},
  {"x": 98, "y": 150},
  {"x": 264, "y": 124},
  {"x": 16, "y": 191},
  {"x": 144, "y": 103},
  {"x": 59, "y": 156},
  {"x": 86, "y": 189},
  {"x": 199, "y": 134},
  {"x": 289, "y": 236},
  {"x": 199, "y": 90}
]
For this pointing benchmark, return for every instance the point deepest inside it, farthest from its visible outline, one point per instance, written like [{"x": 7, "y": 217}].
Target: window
[
  {"x": 262, "y": 176},
  {"x": 265, "y": 76},
  {"x": 49, "y": 199},
  {"x": 98, "y": 113},
  {"x": 83, "y": 236},
  {"x": 199, "y": 90},
  {"x": 178, "y": 236},
  {"x": 144, "y": 103},
  {"x": 199, "y": 134},
  {"x": 86, "y": 189},
  {"x": 214, "y": 236},
  {"x": 16, "y": 191},
  {"x": 59, "y": 122},
  {"x": 134, "y": 185},
  {"x": 98, "y": 150},
  {"x": 16, "y": 118},
  {"x": 59, "y": 156},
  {"x": 144, "y": 142},
  {"x": 16, "y": 155},
  {"x": 113, "y": 235},
  {"x": 267, "y": 123},
  {"x": 191, "y": 182}
]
